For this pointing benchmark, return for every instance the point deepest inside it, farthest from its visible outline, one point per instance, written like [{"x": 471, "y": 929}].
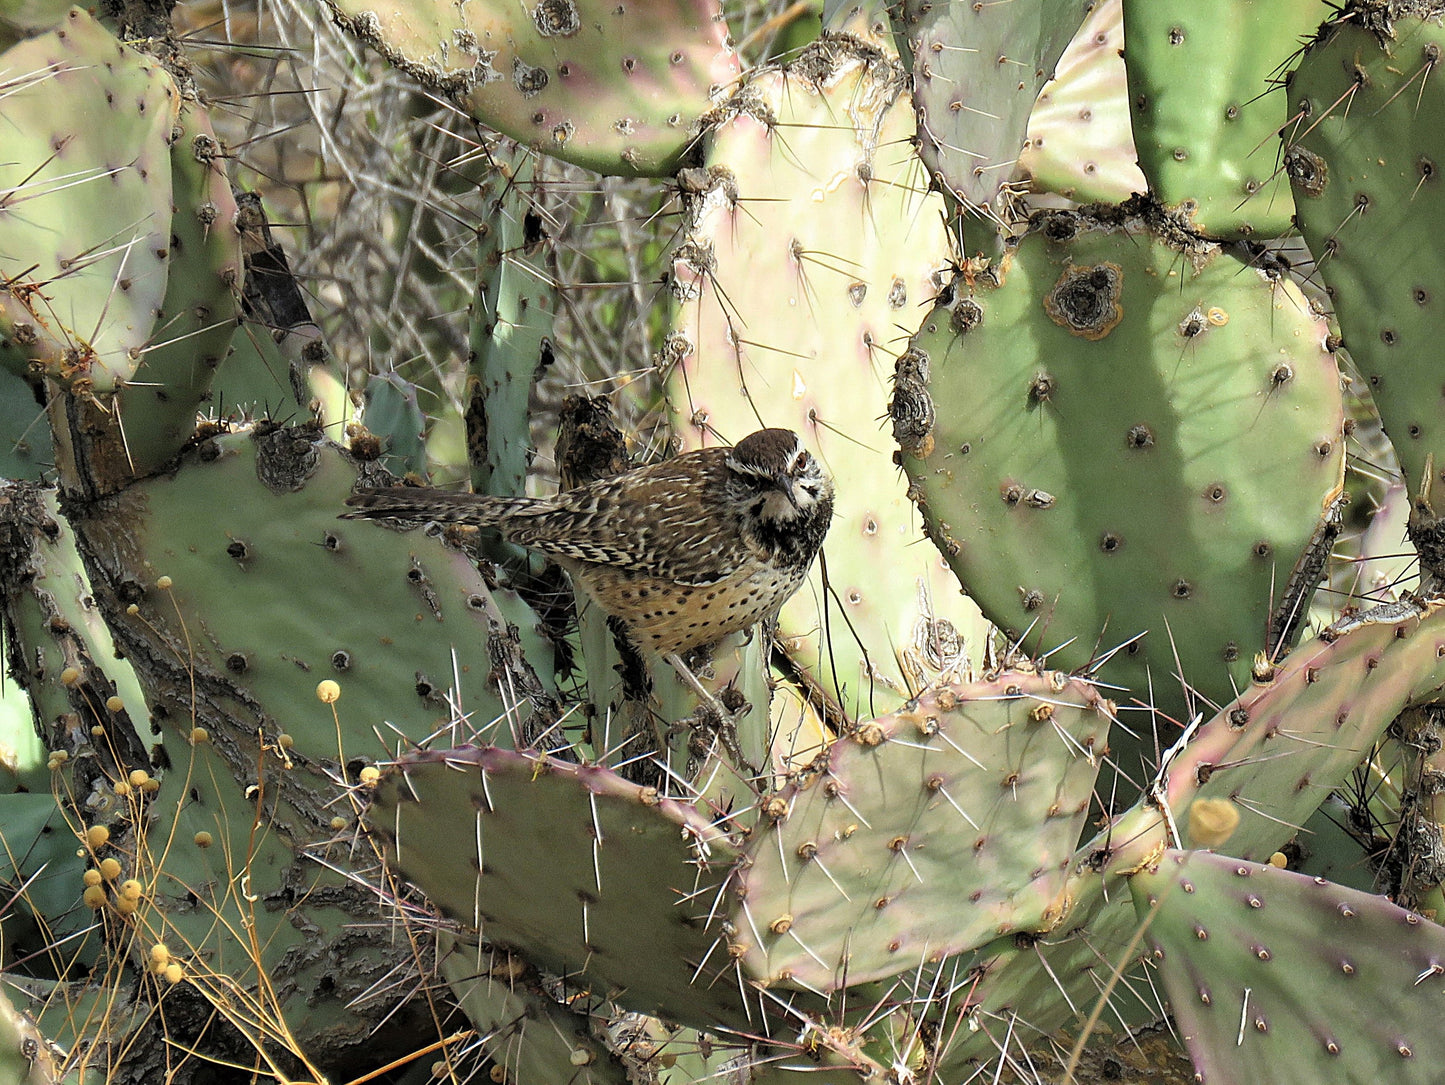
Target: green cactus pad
[
  {"x": 524, "y": 1030},
  {"x": 1079, "y": 141},
  {"x": 813, "y": 238},
  {"x": 977, "y": 71},
  {"x": 85, "y": 203},
  {"x": 1113, "y": 420},
  {"x": 26, "y": 1057},
  {"x": 48, "y": 606},
  {"x": 1289, "y": 740},
  {"x": 618, "y": 88},
  {"x": 1020, "y": 991},
  {"x": 1207, "y": 142},
  {"x": 925, "y": 833},
  {"x": 512, "y": 327},
  {"x": 260, "y": 599},
  {"x": 393, "y": 413},
  {"x": 1366, "y": 166},
  {"x": 586, "y": 874},
  {"x": 197, "y": 318},
  {"x": 26, "y": 450},
  {"x": 1279, "y": 977}
]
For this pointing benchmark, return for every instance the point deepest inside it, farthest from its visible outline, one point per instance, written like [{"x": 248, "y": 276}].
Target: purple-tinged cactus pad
[
  {"x": 925, "y": 833},
  {"x": 586, "y": 874},
  {"x": 1079, "y": 143},
  {"x": 618, "y": 88},
  {"x": 977, "y": 71},
  {"x": 1277, "y": 977},
  {"x": 814, "y": 241},
  {"x": 1290, "y": 739}
]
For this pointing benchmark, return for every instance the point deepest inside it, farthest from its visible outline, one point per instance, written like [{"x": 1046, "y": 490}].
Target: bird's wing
[{"x": 666, "y": 521}]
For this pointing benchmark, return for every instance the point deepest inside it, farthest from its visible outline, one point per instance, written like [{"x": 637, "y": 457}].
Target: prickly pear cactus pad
[
  {"x": 588, "y": 875},
  {"x": 85, "y": 203},
  {"x": 1207, "y": 142},
  {"x": 237, "y": 576},
  {"x": 810, "y": 241},
  {"x": 523, "y": 1028},
  {"x": 925, "y": 833},
  {"x": 1079, "y": 142},
  {"x": 1027, "y": 987},
  {"x": 1276, "y": 976},
  {"x": 977, "y": 71},
  {"x": 617, "y": 88},
  {"x": 197, "y": 319},
  {"x": 1365, "y": 162},
  {"x": 1113, "y": 417},
  {"x": 25, "y": 1055},
  {"x": 1300, "y": 728}
]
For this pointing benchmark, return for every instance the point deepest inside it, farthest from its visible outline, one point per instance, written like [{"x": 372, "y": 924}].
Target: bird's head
[{"x": 782, "y": 481}]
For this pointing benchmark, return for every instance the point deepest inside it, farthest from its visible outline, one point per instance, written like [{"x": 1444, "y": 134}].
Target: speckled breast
[{"x": 665, "y": 617}]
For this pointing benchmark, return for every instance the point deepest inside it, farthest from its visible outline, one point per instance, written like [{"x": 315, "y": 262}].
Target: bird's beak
[{"x": 787, "y": 489}]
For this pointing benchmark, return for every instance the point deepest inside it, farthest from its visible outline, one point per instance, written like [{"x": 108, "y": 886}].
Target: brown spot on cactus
[
  {"x": 910, "y": 408},
  {"x": 556, "y": 18},
  {"x": 967, "y": 314},
  {"x": 1307, "y": 171},
  {"x": 527, "y": 79},
  {"x": 870, "y": 734},
  {"x": 1041, "y": 389},
  {"x": 1085, "y": 300}
]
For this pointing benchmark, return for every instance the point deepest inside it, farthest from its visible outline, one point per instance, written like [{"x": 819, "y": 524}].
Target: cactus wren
[{"x": 683, "y": 552}]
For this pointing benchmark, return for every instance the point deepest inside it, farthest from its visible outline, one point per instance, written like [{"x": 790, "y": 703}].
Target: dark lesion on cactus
[
  {"x": 1140, "y": 436},
  {"x": 1306, "y": 170},
  {"x": 556, "y": 18},
  {"x": 528, "y": 80},
  {"x": 911, "y": 408},
  {"x": 966, "y": 315},
  {"x": 1085, "y": 300}
]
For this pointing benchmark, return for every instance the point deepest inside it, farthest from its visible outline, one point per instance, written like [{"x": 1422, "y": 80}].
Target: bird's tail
[{"x": 424, "y": 503}]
